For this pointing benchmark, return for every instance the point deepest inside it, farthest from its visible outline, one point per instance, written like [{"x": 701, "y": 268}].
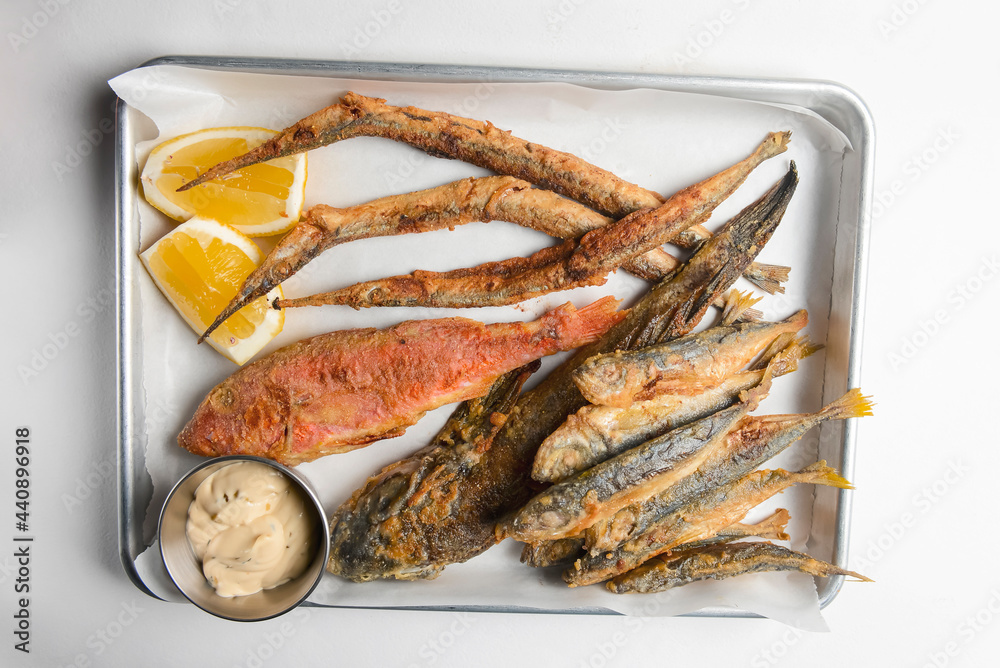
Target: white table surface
[{"x": 926, "y": 467}]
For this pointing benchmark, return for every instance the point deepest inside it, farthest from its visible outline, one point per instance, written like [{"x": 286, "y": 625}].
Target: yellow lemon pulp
[
  {"x": 258, "y": 200},
  {"x": 199, "y": 267}
]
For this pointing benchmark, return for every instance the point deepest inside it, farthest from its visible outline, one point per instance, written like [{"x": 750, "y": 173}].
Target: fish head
[{"x": 234, "y": 419}]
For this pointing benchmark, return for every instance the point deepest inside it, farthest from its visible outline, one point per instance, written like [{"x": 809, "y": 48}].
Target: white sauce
[{"x": 250, "y": 528}]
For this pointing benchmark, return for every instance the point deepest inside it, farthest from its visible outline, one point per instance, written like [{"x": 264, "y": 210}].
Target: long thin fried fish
[
  {"x": 595, "y": 433},
  {"x": 599, "y": 492},
  {"x": 687, "y": 365},
  {"x": 502, "y": 198},
  {"x": 500, "y": 483},
  {"x": 406, "y": 522},
  {"x": 698, "y": 519},
  {"x": 340, "y": 391},
  {"x": 755, "y": 440},
  {"x": 565, "y": 551},
  {"x": 574, "y": 263},
  {"x": 446, "y": 136},
  {"x": 718, "y": 562}
]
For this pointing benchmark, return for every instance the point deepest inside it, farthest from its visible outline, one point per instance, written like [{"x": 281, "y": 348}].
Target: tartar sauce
[{"x": 250, "y": 528}]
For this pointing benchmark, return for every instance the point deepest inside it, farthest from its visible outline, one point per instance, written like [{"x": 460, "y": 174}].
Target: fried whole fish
[
  {"x": 484, "y": 199},
  {"x": 446, "y": 136},
  {"x": 406, "y": 521},
  {"x": 340, "y": 391},
  {"x": 687, "y": 365},
  {"x": 755, "y": 440},
  {"x": 719, "y": 562},
  {"x": 565, "y": 551},
  {"x": 698, "y": 519},
  {"x": 595, "y": 433},
  {"x": 599, "y": 492},
  {"x": 574, "y": 263}
]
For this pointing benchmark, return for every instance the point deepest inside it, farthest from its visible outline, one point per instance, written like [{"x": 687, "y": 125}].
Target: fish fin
[
  {"x": 753, "y": 396},
  {"x": 738, "y": 307},
  {"x": 772, "y": 526},
  {"x": 821, "y": 474},
  {"x": 851, "y": 405},
  {"x": 808, "y": 347},
  {"x": 767, "y": 277},
  {"x": 579, "y": 327}
]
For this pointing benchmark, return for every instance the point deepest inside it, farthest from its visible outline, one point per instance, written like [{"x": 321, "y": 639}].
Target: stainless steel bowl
[{"x": 184, "y": 567}]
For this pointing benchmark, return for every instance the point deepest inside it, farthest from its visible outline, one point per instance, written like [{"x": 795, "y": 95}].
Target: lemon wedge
[
  {"x": 258, "y": 200},
  {"x": 198, "y": 267}
]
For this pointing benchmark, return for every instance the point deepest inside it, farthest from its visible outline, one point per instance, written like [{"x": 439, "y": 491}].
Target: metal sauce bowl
[{"x": 184, "y": 568}]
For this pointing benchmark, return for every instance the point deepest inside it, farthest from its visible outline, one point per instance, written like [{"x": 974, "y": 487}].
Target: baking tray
[{"x": 833, "y": 102}]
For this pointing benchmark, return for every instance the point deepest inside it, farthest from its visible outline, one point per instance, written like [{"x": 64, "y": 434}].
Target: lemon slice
[
  {"x": 199, "y": 266},
  {"x": 258, "y": 200}
]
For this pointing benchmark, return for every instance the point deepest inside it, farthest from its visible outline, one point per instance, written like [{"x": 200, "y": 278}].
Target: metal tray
[{"x": 833, "y": 102}]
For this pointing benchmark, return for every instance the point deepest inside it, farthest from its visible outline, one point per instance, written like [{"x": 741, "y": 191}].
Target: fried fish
[
  {"x": 407, "y": 522},
  {"x": 343, "y": 390},
  {"x": 574, "y": 263},
  {"x": 719, "y": 562}
]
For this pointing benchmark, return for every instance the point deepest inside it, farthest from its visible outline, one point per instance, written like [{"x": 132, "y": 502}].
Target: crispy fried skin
[
  {"x": 688, "y": 365},
  {"x": 719, "y": 562},
  {"x": 574, "y": 263},
  {"x": 469, "y": 200},
  {"x": 596, "y": 433},
  {"x": 409, "y": 520},
  {"x": 568, "y": 507},
  {"x": 340, "y": 391},
  {"x": 755, "y": 440}
]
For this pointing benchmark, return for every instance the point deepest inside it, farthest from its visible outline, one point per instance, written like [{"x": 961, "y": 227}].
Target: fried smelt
[
  {"x": 755, "y": 440},
  {"x": 565, "y": 551},
  {"x": 574, "y": 263},
  {"x": 698, "y": 519},
  {"x": 596, "y": 433},
  {"x": 599, "y": 492},
  {"x": 718, "y": 562},
  {"x": 406, "y": 522},
  {"x": 688, "y": 365},
  {"x": 501, "y": 198}
]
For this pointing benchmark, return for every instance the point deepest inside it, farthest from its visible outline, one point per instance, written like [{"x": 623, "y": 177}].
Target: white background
[{"x": 923, "y": 524}]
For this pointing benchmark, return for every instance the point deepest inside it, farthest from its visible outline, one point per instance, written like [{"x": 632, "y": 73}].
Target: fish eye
[{"x": 223, "y": 397}]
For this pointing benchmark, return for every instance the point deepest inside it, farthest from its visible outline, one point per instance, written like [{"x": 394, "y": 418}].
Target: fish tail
[
  {"x": 768, "y": 277},
  {"x": 821, "y": 474},
  {"x": 575, "y": 327},
  {"x": 851, "y": 405},
  {"x": 784, "y": 353},
  {"x": 738, "y": 307}
]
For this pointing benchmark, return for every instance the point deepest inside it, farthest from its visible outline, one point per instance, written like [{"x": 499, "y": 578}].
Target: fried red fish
[{"x": 340, "y": 391}]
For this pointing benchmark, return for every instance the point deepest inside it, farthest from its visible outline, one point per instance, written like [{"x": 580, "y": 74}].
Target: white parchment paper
[{"x": 661, "y": 140}]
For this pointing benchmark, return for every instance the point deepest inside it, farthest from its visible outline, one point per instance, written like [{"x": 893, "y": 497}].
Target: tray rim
[{"x": 834, "y": 102}]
